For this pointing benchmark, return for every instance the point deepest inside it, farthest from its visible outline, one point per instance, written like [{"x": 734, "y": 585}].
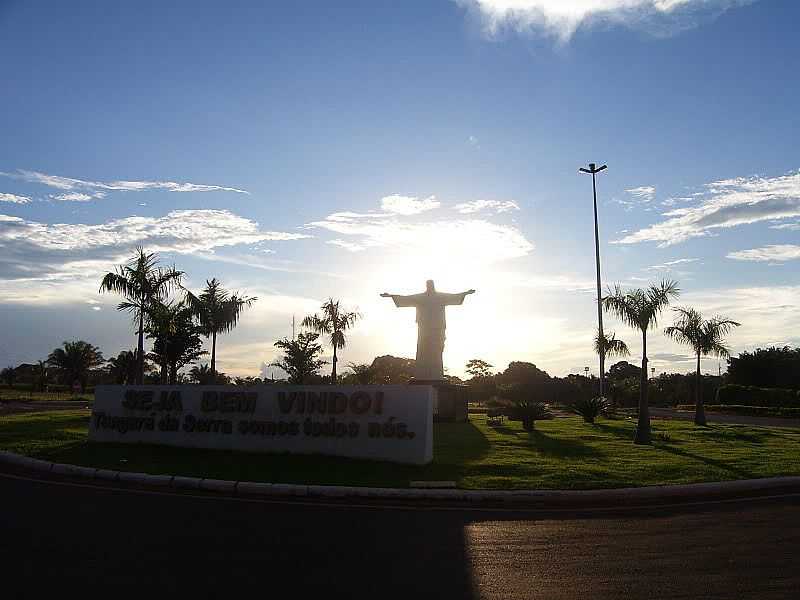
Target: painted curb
[{"x": 537, "y": 498}]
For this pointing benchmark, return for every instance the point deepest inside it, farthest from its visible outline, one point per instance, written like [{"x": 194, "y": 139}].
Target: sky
[{"x": 298, "y": 151}]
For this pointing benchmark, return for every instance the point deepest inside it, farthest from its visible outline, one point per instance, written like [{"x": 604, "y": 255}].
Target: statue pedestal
[{"x": 450, "y": 404}]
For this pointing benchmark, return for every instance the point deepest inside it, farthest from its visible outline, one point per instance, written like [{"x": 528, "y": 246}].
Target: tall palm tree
[
  {"x": 75, "y": 360},
  {"x": 333, "y": 322},
  {"x": 218, "y": 312},
  {"x": 706, "y": 337},
  {"x": 141, "y": 283},
  {"x": 640, "y": 309}
]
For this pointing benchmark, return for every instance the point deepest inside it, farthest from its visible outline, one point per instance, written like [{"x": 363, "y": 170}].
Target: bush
[
  {"x": 528, "y": 411},
  {"x": 590, "y": 408},
  {"x": 745, "y": 395}
]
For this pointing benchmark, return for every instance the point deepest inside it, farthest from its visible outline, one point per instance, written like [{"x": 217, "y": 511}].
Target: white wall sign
[{"x": 380, "y": 422}]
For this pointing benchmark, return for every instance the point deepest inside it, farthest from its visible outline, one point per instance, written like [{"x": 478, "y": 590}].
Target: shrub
[
  {"x": 590, "y": 408},
  {"x": 745, "y": 395},
  {"x": 528, "y": 411}
]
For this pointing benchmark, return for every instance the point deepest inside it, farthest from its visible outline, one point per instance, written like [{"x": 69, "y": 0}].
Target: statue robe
[{"x": 431, "y": 325}]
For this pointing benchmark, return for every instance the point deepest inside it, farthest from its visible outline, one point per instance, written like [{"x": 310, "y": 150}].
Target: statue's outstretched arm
[
  {"x": 455, "y": 299},
  {"x": 404, "y": 301}
]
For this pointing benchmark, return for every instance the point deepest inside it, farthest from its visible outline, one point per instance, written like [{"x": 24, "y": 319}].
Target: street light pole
[{"x": 594, "y": 170}]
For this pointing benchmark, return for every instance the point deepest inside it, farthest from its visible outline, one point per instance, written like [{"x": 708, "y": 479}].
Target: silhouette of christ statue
[{"x": 431, "y": 325}]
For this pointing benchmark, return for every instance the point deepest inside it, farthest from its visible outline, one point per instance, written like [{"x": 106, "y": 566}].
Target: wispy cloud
[
  {"x": 475, "y": 240},
  {"x": 669, "y": 265},
  {"x": 97, "y": 189},
  {"x": 14, "y": 199},
  {"x": 725, "y": 204},
  {"x": 495, "y": 206},
  {"x": 74, "y": 197},
  {"x": 787, "y": 226},
  {"x": 561, "y": 18},
  {"x": 34, "y": 250},
  {"x": 773, "y": 253},
  {"x": 408, "y": 205},
  {"x": 645, "y": 193}
]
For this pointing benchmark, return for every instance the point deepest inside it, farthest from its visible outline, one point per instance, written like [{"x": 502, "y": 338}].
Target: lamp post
[{"x": 593, "y": 170}]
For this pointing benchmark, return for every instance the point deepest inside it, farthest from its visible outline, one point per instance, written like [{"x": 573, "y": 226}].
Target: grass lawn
[
  {"x": 24, "y": 395},
  {"x": 562, "y": 453}
]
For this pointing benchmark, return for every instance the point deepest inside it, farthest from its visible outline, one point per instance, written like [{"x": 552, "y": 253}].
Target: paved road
[
  {"x": 713, "y": 417},
  {"x": 110, "y": 542}
]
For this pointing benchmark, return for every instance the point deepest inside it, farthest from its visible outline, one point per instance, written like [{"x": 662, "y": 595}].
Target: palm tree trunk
[
  {"x": 643, "y": 428},
  {"x": 214, "y": 354},
  {"x": 140, "y": 357},
  {"x": 333, "y": 372},
  {"x": 699, "y": 409}
]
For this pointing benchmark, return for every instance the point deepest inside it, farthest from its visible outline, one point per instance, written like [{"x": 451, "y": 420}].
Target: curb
[{"x": 603, "y": 498}]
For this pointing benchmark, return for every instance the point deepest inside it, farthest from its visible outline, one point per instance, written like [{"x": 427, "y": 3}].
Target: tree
[
  {"x": 41, "y": 375},
  {"x": 176, "y": 338},
  {"x": 203, "y": 375},
  {"x": 300, "y": 357},
  {"x": 218, "y": 312},
  {"x": 640, "y": 309},
  {"x": 141, "y": 283},
  {"x": 766, "y": 367},
  {"x": 706, "y": 337},
  {"x": 123, "y": 368},
  {"x": 75, "y": 360},
  {"x": 333, "y": 322},
  {"x": 393, "y": 369},
  {"x": 8, "y": 375},
  {"x": 479, "y": 368},
  {"x": 609, "y": 346},
  {"x": 362, "y": 373}
]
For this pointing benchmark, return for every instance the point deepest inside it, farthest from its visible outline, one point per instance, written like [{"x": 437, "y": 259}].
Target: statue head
[{"x": 429, "y": 287}]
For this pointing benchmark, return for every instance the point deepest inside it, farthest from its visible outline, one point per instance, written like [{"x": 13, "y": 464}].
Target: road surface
[{"x": 94, "y": 541}]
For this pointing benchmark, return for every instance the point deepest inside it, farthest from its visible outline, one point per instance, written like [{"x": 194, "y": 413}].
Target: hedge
[{"x": 745, "y": 395}]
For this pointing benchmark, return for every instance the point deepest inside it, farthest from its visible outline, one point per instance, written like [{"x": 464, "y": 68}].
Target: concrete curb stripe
[{"x": 550, "y": 497}]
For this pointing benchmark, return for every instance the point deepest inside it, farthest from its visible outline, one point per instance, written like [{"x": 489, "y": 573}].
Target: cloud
[
  {"x": 667, "y": 266},
  {"x": 99, "y": 188},
  {"x": 645, "y": 192},
  {"x": 408, "y": 205},
  {"x": 561, "y": 18},
  {"x": 780, "y": 253},
  {"x": 14, "y": 199},
  {"x": 32, "y": 251},
  {"x": 787, "y": 226},
  {"x": 725, "y": 204},
  {"x": 464, "y": 240},
  {"x": 72, "y": 197},
  {"x": 350, "y": 246},
  {"x": 496, "y": 206}
]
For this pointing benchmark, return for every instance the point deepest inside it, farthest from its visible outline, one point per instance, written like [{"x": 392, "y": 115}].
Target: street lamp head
[
  {"x": 603, "y": 168},
  {"x": 592, "y": 166}
]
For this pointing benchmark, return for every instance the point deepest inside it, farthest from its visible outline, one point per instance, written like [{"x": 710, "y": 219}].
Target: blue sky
[{"x": 303, "y": 150}]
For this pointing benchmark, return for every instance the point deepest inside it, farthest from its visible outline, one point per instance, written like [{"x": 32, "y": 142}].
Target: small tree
[
  {"x": 705, "y": 337},
  {"x": 478, "y": 368},
  {"x": 526, "y": 407},
  {"x": 142, "y": 284},
  {"x": 203, "y": 375},
  {"x": 640, "y": 309},
  {"x": 75, "y": 360},
  {"x": 176, "y": 339},
  {"x": 123, "y": 368},
  {"x": 300, "y": 357},
  {"x": 363, "y": 373},
  {"x": 333, "y": 322},
  {"x": 9, "y": 375},
  {"x": 218, "y": 312}
]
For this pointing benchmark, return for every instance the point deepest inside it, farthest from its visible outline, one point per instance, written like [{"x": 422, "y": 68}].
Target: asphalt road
[{"x": 100, "y": 542}]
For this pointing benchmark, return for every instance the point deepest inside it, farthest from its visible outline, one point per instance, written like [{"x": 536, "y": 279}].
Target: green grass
[
  {"x": 25, "y": 395},
  {"x": 562, "y": 453}
]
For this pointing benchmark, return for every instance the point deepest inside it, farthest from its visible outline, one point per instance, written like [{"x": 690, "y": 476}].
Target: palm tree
[
  {"x": 218, "y": 312},
  {"x": 608, "y": 346},
  {"x": 705, "y": 337},
  {"x": 333, "y": 322},
  {"x": 75, "y": 360},
  {"x": 176, "y": 339},
  {"x": 124, "y": 367},
  {"x": 142, "y": 284},
  {"x": 640, "y": 309}
]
